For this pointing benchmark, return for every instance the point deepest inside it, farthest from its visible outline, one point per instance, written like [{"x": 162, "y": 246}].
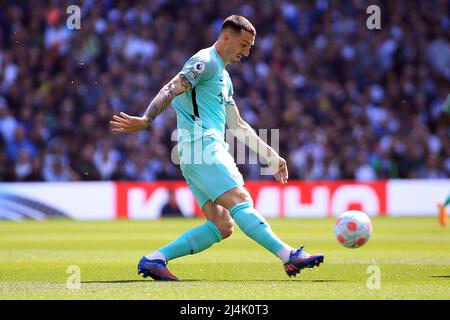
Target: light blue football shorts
[{"x": 208, "y": 168}]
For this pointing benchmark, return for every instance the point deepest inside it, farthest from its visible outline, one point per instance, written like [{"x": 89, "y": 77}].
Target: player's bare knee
[
  {"x": 245, "y": 197},
  {"x": 226, "y": 228}
]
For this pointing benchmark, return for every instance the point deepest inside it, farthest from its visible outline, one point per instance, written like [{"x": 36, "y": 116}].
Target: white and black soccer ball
[{"x": 353, "y": 229}]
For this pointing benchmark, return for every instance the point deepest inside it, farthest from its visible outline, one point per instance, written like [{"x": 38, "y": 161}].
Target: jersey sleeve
[{"x": 199, "y": 69}]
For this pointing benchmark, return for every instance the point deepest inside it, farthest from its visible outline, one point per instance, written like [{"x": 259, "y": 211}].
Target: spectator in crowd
[
  {"x": 8, "y": 123},
  {"x": 120, "y": 173},
  {"x": 35, "y": 174},
  {"x": 18, "y": 143},
  {"x": 23, "y": 164},
  {"x": 58, "y": 172},
  {"x": 84, "y": 164},
  {"x": 106, "y": 159},
  {"x": 171, "y": 208}
]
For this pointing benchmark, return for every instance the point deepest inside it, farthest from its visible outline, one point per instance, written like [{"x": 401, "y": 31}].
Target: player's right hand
[
  {"x": 279, "y": 169},
  {"x": 126, "y": 123}
]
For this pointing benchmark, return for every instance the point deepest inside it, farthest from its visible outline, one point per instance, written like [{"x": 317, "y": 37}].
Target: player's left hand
[
  {"x": 125, "y": 123},
  {"x": 279, "y": 169}
]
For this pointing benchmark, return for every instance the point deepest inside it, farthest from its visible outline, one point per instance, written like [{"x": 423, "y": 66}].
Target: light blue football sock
[
  {"x": 192, "y": 241},
  {"x": 447, "y": 201},
  {"x": 256, "y": 227}
]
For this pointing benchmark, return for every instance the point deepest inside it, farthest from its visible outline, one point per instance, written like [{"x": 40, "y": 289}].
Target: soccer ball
[{"x": 353, "y": 229}]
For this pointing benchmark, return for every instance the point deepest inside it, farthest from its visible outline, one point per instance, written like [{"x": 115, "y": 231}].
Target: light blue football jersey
[{"x": 201, "y": 111}]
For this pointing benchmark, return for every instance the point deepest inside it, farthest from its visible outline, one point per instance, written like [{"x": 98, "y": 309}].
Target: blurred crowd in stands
[{"x": 350, "y": 103}]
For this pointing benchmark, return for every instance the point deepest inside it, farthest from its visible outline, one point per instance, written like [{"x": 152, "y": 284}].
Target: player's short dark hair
[{"x": 237, "y": 23}]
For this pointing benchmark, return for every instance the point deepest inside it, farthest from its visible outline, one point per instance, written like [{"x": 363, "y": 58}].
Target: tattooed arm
[
  {"x": 176, "y": 86},
  {"x": 126, "y": 123}
]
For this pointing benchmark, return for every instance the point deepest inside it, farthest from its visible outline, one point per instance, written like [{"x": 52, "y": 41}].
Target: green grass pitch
[{"x": 412, "y": 254}]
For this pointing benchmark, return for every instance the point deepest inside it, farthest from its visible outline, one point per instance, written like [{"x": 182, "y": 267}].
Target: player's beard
[
  {"x": 237, "y": 58},
  {"x": 234, "y": 57}
]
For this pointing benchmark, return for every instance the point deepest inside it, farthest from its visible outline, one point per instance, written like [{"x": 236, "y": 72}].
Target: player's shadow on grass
[
  {"x": 263, "y": 280},
  {"x": 207, "y": 280},
  {"x": 116, "y": 281},
  {"x": 440, "y": 277}
]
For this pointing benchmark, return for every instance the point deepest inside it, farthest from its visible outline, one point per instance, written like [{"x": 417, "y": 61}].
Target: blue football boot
[
  {"x": 299, "y": 260},
  {"x": 156, "y": 269}
]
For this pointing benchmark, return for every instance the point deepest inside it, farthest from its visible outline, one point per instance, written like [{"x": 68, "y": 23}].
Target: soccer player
[
  {"x": 442, "y": 211},
  {"x": 202, "y": 96}
]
